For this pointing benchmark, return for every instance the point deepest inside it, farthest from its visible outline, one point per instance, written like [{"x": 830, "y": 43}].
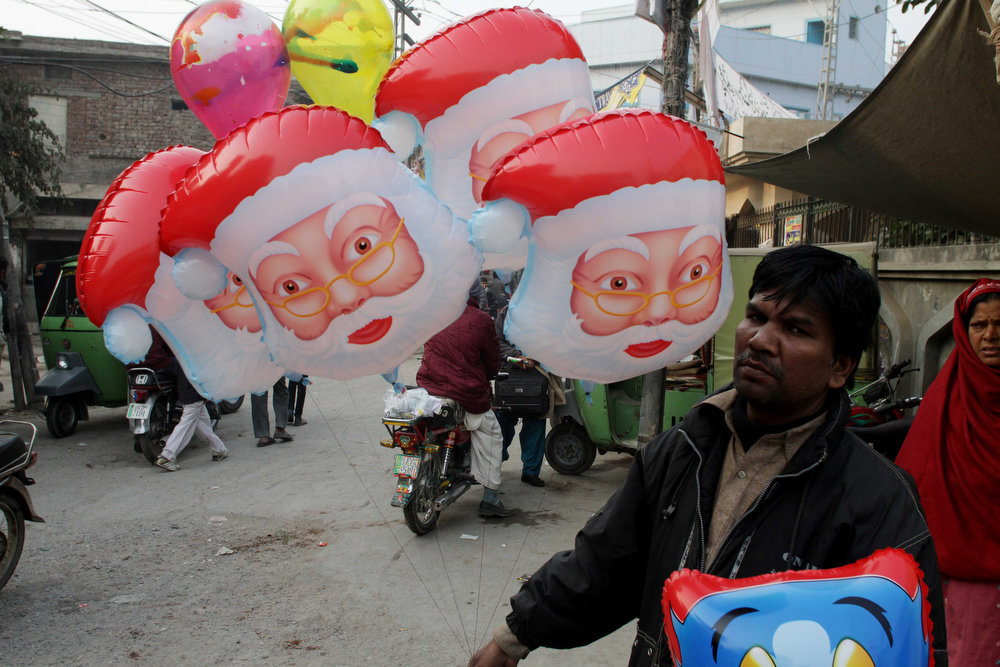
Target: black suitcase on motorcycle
[{"x": 522, "y": 393}]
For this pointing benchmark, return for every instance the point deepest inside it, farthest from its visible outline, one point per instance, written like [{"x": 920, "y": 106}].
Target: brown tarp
[{"x": 925, "y": 145}]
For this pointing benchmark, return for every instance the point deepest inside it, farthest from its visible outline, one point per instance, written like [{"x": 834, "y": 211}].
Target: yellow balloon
[{"x": 340, "y": 50}]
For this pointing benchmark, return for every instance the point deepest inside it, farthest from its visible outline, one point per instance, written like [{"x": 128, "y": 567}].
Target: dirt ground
[{"x": 284, "y": 555}]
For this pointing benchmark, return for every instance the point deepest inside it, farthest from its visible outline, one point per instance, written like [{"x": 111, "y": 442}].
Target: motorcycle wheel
[
  {"x": 11, "y": 537},
  {"x": 60, "y": 416},
  {"x": 568, "y": 449},
  {"x": 151, "y": 442},
  {"x": 420, "y": 515},
  {"x": 229, "y": 407}
]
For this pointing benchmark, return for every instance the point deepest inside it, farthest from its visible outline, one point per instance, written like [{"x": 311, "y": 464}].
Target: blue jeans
[{"x": 532, "y": 440}]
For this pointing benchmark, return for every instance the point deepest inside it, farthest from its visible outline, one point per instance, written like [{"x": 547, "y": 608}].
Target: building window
[
  {"x": 814, "y": 31},
  {"x": 178, "y": 105},
  {"x": 763, "y": 29},
  {"x": 51, "y": 111},
  {"x": 853, "y": 27}
]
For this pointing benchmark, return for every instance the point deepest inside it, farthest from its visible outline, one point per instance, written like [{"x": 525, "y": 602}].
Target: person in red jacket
[{"x": 458, "y": 363}]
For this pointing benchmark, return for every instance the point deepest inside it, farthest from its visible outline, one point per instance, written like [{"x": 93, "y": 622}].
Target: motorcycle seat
[{"x": 12, "y": 449}]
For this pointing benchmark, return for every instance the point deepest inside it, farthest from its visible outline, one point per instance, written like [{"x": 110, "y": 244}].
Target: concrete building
[{"x": 776, "y": 45}]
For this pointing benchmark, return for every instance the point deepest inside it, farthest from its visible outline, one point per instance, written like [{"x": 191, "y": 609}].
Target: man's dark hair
[{"x": 828, "y": 280}]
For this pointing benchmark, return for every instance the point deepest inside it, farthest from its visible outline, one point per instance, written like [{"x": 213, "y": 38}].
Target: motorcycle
[
  {"x": 882, "y": 421},
  {"x": 432, "y": 471},
  {"x": 154, "y": 410},
  {"x": 15, "y": 502}
]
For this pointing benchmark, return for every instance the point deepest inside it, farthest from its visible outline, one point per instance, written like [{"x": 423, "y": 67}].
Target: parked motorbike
[
  {"x": 432, "y": 470},
  {"x": 15, "y": 502},
  {"x": 882, "y": 421}
]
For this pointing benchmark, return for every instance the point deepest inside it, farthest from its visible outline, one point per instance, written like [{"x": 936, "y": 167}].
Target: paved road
[{"x": 127, "y": 567}]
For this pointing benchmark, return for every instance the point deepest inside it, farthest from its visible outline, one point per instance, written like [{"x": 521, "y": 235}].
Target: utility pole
[
  {"x": 828, "y": 69},
  {"x": 674, "y": 18},
  {"x": 403, "y": 9}
]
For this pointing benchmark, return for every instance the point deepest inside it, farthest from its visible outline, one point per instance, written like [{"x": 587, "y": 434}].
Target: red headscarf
[{"x": 953, "y": 451}]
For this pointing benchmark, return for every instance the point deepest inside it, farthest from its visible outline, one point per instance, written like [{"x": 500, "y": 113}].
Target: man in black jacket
[{"x": 759, "y": 477}]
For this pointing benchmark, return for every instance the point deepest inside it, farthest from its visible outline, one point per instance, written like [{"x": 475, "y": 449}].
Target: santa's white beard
[
  {"x": 436, "y": 300},
  {"x": 220, "y": 362},
  {"x": 542, "y": 325}
]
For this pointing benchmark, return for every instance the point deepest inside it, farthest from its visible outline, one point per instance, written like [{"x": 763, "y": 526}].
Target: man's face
[
  {"x": 234, "y": 305},
  {"x": 647, "y": 279},
  {"x": 984, "y": 332},
  {"x": 309, "y": 277},
  {"x": 499, "y": 138},
  {"x": 785, "y": 363}
]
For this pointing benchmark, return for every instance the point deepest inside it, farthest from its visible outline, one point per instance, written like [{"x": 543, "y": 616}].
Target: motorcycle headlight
[{"x": 62, "y": 362}]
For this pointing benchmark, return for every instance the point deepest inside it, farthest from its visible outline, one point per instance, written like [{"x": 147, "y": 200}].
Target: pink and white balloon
[{"x": 230, "y": 64}]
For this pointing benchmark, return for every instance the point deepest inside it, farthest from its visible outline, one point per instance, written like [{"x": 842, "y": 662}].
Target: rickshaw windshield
[{"x": 63, "y": 302}]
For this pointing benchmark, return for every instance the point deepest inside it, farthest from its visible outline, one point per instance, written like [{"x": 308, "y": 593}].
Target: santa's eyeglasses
[
  {"x": 369, "y": 268},
  {"x": 241, "y": 293},
  {"x": 621, "y": 303}
]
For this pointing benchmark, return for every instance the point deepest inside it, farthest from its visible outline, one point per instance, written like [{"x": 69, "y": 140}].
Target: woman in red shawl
[{"x": 953, "y": 452}]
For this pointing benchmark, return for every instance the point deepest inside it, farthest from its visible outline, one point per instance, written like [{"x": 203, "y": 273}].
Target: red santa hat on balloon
[
  {"x": 487, "y": 68},
  {"x": 590, "y": 181}
]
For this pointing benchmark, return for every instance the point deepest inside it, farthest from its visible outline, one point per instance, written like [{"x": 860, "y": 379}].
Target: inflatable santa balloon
[
  {"x": 475, "y": 90},
  {"x": 873, "y": 613},
  {"x": 125, "y": 285},
  {"x": 628, "y": 269},
  {"x": 351, "y": 261}
]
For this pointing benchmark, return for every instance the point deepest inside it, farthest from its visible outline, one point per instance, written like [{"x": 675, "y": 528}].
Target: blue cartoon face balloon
[{"x": 869, "y": 614}]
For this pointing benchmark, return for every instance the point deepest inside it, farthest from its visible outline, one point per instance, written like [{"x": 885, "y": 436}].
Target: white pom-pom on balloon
[
  {"x": 497, "y": 227},
  {"x": 126, "y": 335},
  {"x": 198, "y": 275},
  {"x": 399, "y": 130}
]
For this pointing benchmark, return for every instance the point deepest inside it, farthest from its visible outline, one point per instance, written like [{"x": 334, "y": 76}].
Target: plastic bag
[{"x": 410, "y": 404}]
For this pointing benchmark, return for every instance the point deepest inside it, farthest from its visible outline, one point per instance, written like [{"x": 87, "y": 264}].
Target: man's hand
[
  {"x": 525, "y": 364},
  {"x": 491, "y": 655}
]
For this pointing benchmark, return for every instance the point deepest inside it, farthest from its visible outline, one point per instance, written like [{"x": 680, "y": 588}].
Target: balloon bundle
[{"x": 301, "y": 243}]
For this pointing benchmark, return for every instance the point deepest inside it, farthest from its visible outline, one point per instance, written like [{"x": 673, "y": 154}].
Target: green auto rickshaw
[{"x": 81, "y": 372}]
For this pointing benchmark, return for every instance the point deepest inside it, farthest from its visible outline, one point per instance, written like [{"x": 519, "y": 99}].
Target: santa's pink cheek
[{"x": 592, "y": 320}]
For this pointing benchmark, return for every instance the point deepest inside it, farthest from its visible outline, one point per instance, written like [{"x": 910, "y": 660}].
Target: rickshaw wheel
[
  {"x": 60, "y": 416},
  {"x": 568, "y": 449},
  {"x": 11, "y": 537}
]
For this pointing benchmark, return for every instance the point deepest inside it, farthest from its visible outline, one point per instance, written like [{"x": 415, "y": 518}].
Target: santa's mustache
[{"x": 760, "y": 360}]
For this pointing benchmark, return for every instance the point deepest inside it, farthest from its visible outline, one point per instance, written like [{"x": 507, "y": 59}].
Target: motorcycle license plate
[
  {"x": 406, "y": 466},
  {"x": 138, "y": 411}
]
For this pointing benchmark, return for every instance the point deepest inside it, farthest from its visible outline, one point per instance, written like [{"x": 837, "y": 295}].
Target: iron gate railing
[{"x": 822, "y": 222}]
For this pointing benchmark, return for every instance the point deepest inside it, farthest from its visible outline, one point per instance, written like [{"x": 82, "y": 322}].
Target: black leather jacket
[{"x": 836, "y": 502}]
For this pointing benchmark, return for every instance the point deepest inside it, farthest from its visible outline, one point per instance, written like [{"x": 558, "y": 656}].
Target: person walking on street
[
  {"x": 258, "y": 415},
  {"x": 194, "y": 420},
  {"x": 297, "y": 401},
  {"x": 759, "y": 477},
  {"x": 459, "y": 362},
  {"x": 532, "y": 436}
]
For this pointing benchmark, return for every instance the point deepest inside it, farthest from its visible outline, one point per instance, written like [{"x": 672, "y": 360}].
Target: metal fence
[{"x": 820, "y": 222}]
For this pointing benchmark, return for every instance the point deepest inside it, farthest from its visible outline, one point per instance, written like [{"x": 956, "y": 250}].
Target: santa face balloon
[
  {"x": 627, "y": 268},
  {"x": 476, "y": 90},
  {"x": 125, "y": 284},
  {"x": 873, "y": 613},
  {"x": 350, "y": 260},
  {"x": 229, "y": 63},
  {"x": 340, "y": 49}
]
